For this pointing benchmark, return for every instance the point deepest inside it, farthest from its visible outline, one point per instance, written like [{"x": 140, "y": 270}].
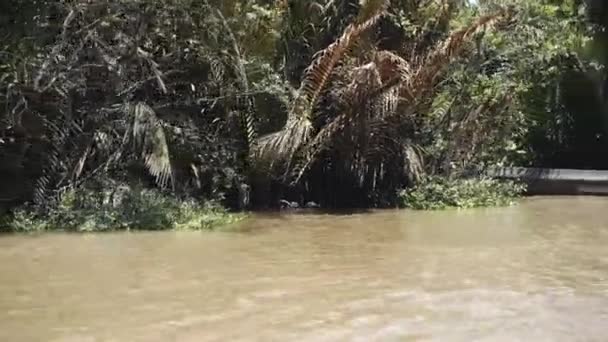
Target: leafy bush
[
  {"x": 120, "y": 208},
  {"x": 441, "y": 193}
]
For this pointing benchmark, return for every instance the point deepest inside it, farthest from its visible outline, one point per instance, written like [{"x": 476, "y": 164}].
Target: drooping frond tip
[
  {"x": 277, "y": 146},
  {"x": 371, "y": 8},
  {"x": 429, "y": 71},
  {"x": 149, "y": 136},
  {"x": 456, "y": 39}
]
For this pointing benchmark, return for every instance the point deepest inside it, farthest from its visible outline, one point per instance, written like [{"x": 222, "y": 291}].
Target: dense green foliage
[
  {"x": 340, "y": 102},
  {"x": 442, "y": 193},
  {"x": 109, "y": 207},
  {"x": 130, "y": 91}
]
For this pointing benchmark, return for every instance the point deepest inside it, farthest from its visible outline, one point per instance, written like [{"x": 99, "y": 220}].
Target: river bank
[{"x": 122, "y": 207}]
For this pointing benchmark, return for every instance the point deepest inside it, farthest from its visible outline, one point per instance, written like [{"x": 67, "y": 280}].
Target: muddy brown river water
[{"x": 537, "y": 271}]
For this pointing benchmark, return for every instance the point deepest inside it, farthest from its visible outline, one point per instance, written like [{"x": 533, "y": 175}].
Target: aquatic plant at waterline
[{"x": 441, "y": 193}]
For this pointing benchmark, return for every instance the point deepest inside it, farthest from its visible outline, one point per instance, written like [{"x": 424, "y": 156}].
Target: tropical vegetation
[{"x": 243, "y": 103}]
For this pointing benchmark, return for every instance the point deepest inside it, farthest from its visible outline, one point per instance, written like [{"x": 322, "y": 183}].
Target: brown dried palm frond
[
  {"x": 430, "y": 68},
  {"x": 394, "y": 71},
  {"x": 282, "y": 145},
  {"x": 369, "y": 100},
  {"x": 317, "y": 74}
]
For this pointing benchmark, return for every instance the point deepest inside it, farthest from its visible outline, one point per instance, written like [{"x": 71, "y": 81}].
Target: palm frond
[
  {"x": 320, "y": 143},
  {"x": 247, "y": 116},
  {"x": 413, "y": 162},
  {"x": 390, "y": 65},
  {"x": 149, "y": 137},
  {"x": 275, "y": 147},
  {"x": 283, "y": 144},
  {"x": 369, "y": 100},
  {"x": 430, "y": 69},
  {"x": 370, "y": 9},
  {"x": 317, "y": 74},
  {"x": 55, "y": 171}
]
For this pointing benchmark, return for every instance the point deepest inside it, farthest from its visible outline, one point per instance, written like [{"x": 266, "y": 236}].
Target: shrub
[
  {"x": 441, "y": 193},
  {"x": 119, "y": 208}
]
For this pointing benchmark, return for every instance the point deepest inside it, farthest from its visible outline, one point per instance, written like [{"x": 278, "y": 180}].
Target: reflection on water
[{"x": 537, "y": 271}]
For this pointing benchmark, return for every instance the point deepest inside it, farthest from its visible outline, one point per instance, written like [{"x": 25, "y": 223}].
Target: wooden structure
[{"x": 556, "y": 181}]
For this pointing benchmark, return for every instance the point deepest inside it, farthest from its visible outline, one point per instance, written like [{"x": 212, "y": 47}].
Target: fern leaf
[{"x": 441, "y": 106}]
